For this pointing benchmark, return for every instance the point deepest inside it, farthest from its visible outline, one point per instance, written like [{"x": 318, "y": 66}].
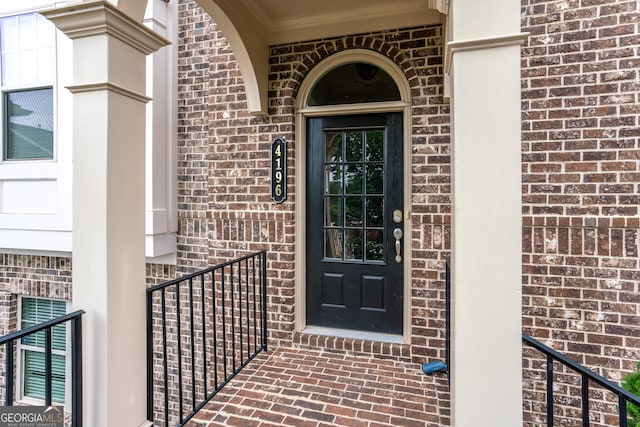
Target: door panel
[{"x": 355, "y": 171}]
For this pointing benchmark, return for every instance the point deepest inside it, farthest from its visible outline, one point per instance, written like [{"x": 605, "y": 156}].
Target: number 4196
[{"x": 278, "y": 170}]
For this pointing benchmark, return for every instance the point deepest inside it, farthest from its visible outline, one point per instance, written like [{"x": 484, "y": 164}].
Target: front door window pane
[
  {"x": 333, "y": 211},
  {"x": 333, "y": 149},
  {"x": 374, "y": 245},
  {"x": 354, "y": 195},
  {"x": 353, "y": 245},
  {"x": 333, "y": 179},
  {"x": 375, "y": 146},
  {"x": 374, "y": 179},
  {"x": 374, "y": 212},
  {"x": 354, "y": 146},
  {"x": 353, "y": 211},
  {"x": 333, "y": 243},
  {"x": 353, "y": 179}
]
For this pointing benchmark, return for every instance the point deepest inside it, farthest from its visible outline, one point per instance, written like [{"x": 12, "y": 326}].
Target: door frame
[{"x": 302, "y": 113}]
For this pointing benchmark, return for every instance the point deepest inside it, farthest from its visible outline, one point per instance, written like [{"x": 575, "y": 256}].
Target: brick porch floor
[{"x": 312, "y": 388}]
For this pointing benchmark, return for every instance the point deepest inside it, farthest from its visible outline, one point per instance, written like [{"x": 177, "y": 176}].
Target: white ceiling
[{"x": 283, "y": 21}]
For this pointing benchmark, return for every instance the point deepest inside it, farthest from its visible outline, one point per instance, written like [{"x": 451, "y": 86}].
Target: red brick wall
[
  {"x": 240, "y": 215},
  {"x": 581, "y": 175},
  {"x": 29, "y": 275}
]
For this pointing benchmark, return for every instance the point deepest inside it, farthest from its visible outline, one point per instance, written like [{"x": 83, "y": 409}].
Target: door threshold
[{"x": 353, "y": 334}]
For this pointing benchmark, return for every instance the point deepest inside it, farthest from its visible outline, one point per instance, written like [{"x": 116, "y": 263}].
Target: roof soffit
[{"x": 286, "y": 21}]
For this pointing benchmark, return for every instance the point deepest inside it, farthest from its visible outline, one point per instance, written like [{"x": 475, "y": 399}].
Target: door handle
[{"x": 397, "y": 234}]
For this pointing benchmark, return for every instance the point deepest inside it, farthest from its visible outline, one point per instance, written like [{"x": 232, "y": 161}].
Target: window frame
[
  {"x": 50, "y": 84},
  {"x": 21, "y": 364}
]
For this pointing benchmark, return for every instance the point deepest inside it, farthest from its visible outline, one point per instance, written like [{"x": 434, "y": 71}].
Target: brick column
[
  {"x": 487, "y": 232},
  {"x": 109, "y": 52}
]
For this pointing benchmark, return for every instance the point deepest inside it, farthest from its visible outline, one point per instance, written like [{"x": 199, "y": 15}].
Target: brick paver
[{"x": 312, "y": 388}]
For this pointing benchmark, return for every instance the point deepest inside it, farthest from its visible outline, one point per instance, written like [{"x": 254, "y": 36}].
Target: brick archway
[{"x": 326, "y": 49}]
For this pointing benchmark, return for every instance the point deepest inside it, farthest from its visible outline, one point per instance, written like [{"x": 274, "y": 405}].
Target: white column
[
  {"x": 487, "y": 233},
  {"x": 109, "y": 54}
]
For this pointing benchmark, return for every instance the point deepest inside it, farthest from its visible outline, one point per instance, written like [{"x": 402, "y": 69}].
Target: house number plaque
[{"x": 279, "y": 170}]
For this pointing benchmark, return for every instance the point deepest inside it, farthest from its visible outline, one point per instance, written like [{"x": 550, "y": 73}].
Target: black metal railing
[
  {"x": 587, "y": 376},
  {"x": 202, "y": 329},
  {"x": 9, "y": 341}
]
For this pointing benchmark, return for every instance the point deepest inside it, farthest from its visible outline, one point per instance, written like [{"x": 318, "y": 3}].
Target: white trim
[
  {"x": 441, "y": 6},
  {"x": 481, "y": 43},
  {"x": 161, "y": 244},
  {"x": 94, "y": 87},
  {"x": 35, "y": 241},
  {"x": 302, "y": 112},
  {"x": 94, "y": 18},
  {"x": 44, "y": 253},
  {"x": 368, "y": 107}
]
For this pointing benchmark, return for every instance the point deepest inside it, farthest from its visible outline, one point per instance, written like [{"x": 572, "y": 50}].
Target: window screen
[
  {"x": 29, "y": 124},
  {"x": 33, "y": 312}
]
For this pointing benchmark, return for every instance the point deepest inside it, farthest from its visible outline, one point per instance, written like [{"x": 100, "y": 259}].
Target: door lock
[
  {"x": 397, "y": 234},
  {"x": 397, "y": 216}
]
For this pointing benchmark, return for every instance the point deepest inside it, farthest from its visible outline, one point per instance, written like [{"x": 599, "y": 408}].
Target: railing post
[
  {"x": 240, "y": 336},
  {"x": 9, "y": 374},
  {"x": 246, "y": 281},
  {"x": 233, "y": 319},
  {"x": 263, "y": 286},
  {"x": 255, "y": 316},
  {"x": 76, "y": 372},
  {"x": 215, "y": 330},
  {"x": 48, "y": 381},
  {"x": 179, "y": 350},
  {"x": 224, "y": 324},
  {"x": 549, "y": 391},
  {"x": 585, "y": 401},
  {"x": 447, "y": 311},
  {"x": 149, "y": 356},
  {"x": 204, "y": 336},
  {"x": 163, "y": 297},
  {"x": 622, "y": 405},
  {"x": 193, "y": 349}
]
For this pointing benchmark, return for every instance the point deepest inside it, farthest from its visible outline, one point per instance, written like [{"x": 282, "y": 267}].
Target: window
[
  {"x": 32, "y": 312},
  {"x": 27, "y": 73},
  {"x": 354, "y": 83}
]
